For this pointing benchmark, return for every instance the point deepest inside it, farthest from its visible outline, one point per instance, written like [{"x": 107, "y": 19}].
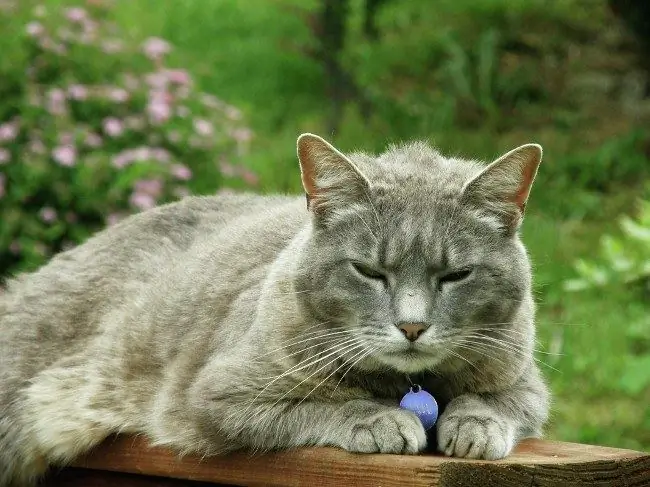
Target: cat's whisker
[
  {"x": 308, "y": 362},
  {"x": 368, "y": 227},
  {"x": 501, "y": 345},
  {"x": 372, "y": 205},
  {"x": 478, "y": 348},
  {"x": 510, "y": 341},
  {"x": 304, "y": 291},
  {"x": 347, "y": 348},
  {"x": 504, "y": 348},
  {"x": 458, "y": 355},
  {"x": 363, "y": 350},
  {"x": 363, "y": 356},
  {"x": 303, "y": 350},
  {"x": 315, "y": 336}
]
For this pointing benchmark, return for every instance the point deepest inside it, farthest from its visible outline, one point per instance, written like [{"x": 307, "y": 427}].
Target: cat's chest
[{"x": 391, "y": 387}]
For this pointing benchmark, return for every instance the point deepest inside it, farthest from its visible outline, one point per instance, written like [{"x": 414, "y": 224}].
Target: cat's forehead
[
  {"x": 415, "y": 170},
  {"x": 414, "y": 204},
  {"x": 435, "y": 233}
]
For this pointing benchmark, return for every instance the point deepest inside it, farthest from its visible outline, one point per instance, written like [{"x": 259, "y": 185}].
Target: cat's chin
[{"x": 410, "y": 362}]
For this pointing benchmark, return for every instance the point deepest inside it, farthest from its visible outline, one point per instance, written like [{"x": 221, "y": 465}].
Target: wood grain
[{"x": 534, "y": 463}]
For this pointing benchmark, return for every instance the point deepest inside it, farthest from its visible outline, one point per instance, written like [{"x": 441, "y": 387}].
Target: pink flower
[
  {"x": 158, "y": 110},
  {"x": 89, "y": 33},
  {"x": 160, "y": 154},
  {"x": 65, "y": 155},
  {"x": 155, "y": 48},
  {"x": 78, "y": 92},
  {"x": 112, "y": 46},
  {"x": 151, "y": 187},
  {"x": 56, "y": 101},
  {"x": 5, "y": 156},
  {"x": 8, "y": 131},
  {"x": 142, "y": 154},
  {"x": 113, "y": 127},
  {"x": 157, "y": 81},
  {"x": 142, "y": 201},
  {"x": 113, "y": 219},
  {"x": 122, "y": 159},
  {"x": 250, "y": 177},
  {"x": 66, "y": 138},
  {"x": 211, "y": 101},
  {"x": 131, "y": 81},
  {"x": 135, "y": 123},
  {"x": 203, "y": 127},
  {"x": 76, "y": 14},
  {"x": 227, "y": 169},
  {"x": 93, "y": 140},
  {"x": 37, "y": 146},
  {"x": 242, "y": 134},
  {"x": 174, "y": 136},
  {"x": 48, "y": 214},
  {"x": 118, "y": 95},
  {"x": 179, "y": 76},
  {"x": 65, "y": 34},
  {"x": 179, "y": 171},
  {"x": 183, "y": 92},
  {"x": 34, "y": 29},
  {"x": 233, "y": 113}
]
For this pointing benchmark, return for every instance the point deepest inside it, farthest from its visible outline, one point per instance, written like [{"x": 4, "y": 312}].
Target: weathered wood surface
[{"x": 534, "y": 463}]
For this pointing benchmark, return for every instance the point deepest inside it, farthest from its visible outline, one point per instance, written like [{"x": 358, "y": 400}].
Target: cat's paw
[
  {"x": 475, "y": 433},
  {"x": 388, "y": 431}
]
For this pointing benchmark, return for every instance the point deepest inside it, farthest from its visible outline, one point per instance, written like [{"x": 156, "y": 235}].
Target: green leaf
[{"x": 636, "y": 376}]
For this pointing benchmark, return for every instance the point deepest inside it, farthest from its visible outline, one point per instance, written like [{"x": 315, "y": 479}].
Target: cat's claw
[
  {"x": 389, "y": 431},
  {"x": 474, "y": 436}
]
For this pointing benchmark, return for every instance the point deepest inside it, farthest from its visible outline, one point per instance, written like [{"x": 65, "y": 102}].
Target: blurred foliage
[
  {"x": 625, "y": 258},
  {"x": 475, "y": 78},
  {"x": 625, "y": 262},
  {"x": 95, "y": 128}
]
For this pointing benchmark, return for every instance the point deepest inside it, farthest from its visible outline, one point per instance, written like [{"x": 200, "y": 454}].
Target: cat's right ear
[
  {"x": 331, "y": 180},
  {"x": 501, "y": 190}
]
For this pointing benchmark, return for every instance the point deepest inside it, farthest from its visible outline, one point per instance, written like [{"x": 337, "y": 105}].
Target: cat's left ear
[
  {"x": 502, "y": 188},
  {"x": 331, "y": 181}
]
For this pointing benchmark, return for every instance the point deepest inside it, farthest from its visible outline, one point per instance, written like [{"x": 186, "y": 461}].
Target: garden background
[{"x": 110, "y": 107}]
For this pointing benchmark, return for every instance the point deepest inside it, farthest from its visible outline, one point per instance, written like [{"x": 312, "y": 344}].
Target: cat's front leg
[
  {"x": 361, "y": 426},
  {"x": 488, "y": 425},
  {"x": 368, "y": 427},
  {"x": 233, "y": 418}
]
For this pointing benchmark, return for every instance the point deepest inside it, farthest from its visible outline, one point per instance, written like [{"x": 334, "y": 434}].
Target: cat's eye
[
  {"x": 454, "y": 276},
  {"x": 368, "y": 272}
]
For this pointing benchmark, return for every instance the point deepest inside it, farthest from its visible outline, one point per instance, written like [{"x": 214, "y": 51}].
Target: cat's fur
[{"x": 240, "y": 322}]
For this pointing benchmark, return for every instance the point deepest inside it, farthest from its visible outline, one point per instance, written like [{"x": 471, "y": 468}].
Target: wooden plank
[
  {"x": 534, "y": 463},
  {"x": 81, "y": 477}
]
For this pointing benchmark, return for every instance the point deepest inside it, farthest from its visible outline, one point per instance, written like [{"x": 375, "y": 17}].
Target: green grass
[{"x": 435, "y": 76}]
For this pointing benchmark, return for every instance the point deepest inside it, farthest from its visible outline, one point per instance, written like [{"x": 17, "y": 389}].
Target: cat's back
[{"x": 60, "y": 306}]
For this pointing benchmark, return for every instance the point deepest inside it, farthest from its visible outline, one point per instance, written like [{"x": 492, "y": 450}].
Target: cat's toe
[
  {"x": 391, "y": 431},
  {"x": 475, "y": 437}
]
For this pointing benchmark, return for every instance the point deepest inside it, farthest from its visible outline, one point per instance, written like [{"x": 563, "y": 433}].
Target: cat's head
[{"x": 412, "y": 254}]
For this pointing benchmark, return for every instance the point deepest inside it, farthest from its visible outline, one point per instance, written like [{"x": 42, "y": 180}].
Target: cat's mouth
[{"x": 410, "y": 359}]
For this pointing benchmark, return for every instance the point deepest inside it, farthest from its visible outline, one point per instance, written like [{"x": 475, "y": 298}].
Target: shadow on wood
[{"x": 129, "y": 462}]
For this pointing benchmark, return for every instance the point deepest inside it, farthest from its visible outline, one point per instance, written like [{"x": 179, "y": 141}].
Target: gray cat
[{"x": 251, "y": 322}]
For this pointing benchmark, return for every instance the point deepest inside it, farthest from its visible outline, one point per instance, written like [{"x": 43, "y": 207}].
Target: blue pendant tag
[{"x": 422, "y": 404}]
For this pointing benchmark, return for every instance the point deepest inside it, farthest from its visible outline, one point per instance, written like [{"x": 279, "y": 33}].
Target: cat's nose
[{"x": 412, "y": 331}]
